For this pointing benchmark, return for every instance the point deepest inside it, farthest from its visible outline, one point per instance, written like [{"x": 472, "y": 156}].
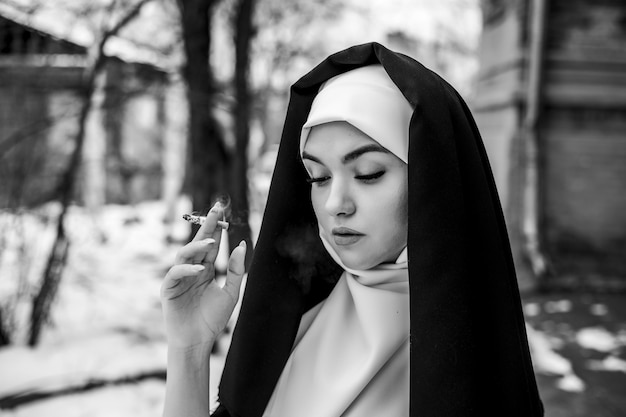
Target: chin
[
  {"x": 357, "y": 262},
  {"x": 362, "y": 262}
]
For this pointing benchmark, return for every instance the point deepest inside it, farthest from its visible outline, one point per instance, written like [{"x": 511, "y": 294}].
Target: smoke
[{"x": 234, "y": 219}]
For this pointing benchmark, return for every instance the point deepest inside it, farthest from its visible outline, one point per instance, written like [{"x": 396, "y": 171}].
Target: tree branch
[
  {"x": 60, "y": 248},
  {"x": 130, "y": 15},
  {"x": 12, "y": 401}
]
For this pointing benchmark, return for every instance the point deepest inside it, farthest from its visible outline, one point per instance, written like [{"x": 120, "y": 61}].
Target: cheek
[
  {"x": 397, "y": 209},
  {"x": 402, "y": 208},
  {"x": 317, "y": 201}
]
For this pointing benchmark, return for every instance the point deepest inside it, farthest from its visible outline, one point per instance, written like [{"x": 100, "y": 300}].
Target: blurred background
[{"x": 118, "y": 116}]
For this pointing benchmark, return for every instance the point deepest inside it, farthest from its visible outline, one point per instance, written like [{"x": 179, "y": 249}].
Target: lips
[{"x": 344, "y": 236}]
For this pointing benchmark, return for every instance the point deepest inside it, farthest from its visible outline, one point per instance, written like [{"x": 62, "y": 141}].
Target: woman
[{"x": 386, "y": 288}]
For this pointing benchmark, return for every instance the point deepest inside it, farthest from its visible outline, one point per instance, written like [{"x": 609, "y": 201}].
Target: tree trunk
[
  {"x": 52, "y": 277},
  {"x": 207, "y": 156},
  {"x": 244, "y": 32},
  {"x": 5, "y": 334},
  {"x": 60, "y": 249}
]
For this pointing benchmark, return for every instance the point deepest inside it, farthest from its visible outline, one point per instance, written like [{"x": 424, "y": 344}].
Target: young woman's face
[{"x": 359, "y": 194}]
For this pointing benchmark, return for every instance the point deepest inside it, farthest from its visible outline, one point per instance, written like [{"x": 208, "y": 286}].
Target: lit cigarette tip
[{"x": 200, "y": 219}]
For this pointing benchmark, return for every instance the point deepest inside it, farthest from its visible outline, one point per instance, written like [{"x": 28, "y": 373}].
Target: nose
[{"x": 339, "y": 201}]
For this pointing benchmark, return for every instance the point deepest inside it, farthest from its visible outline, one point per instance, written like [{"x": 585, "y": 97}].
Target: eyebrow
[{"x": 350, "y": 156}]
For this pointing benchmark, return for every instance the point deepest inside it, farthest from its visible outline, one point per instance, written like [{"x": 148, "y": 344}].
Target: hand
[{"x": 195, "y": 306}]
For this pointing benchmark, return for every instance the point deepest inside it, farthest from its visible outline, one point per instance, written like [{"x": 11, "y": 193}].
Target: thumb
[{"x": 236, "y": 270}]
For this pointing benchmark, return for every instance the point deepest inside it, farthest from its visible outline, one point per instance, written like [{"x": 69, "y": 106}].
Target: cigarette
[{"x": 200, "y": 219}]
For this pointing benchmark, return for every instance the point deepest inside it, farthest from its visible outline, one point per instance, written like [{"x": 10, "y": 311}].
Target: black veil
[{"x": 469, "y": 353}]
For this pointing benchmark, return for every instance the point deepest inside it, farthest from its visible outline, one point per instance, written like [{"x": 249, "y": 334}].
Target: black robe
[{"x": 469, "y": 355}]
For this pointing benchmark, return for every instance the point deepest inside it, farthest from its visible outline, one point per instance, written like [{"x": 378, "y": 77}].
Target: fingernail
[
  {"x": 197, "y": 268},
  {"x": 243, "y": 244},
  {"x": 207, "y": 241},
  {"x": 216, "y": 206}
]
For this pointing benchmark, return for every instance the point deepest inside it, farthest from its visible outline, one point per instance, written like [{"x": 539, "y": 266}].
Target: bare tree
[
  {"x": 244, "y": 31},
  {"x": 60, "y": 249},
  {"x": 205, "y": 176},
  {"x": 5, "y": 337}
]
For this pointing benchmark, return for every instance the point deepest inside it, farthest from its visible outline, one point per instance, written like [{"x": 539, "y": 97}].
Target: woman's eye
[
  {"x": 317, "y": 180},
  {"x": 367, "y": 178}
]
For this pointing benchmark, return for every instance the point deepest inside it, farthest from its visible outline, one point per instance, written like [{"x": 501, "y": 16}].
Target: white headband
[{"x": 367, "y": 99}]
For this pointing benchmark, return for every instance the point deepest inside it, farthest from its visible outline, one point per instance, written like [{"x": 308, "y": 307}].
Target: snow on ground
[
  {"x": 106, "y": 320},
  {"x": 579, "y": 343},
  {"x": 547, "y": 361}
]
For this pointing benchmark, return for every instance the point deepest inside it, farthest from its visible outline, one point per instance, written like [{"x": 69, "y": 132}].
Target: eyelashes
[
  {"x": 370, "y": 177},
  {"x": 316, "y": 180},
  {"x": 366, "y": 178}
]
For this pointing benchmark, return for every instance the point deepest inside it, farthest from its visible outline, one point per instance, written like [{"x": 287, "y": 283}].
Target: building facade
[
  {"x": 551, "y": 105},
  {"x": 41, "y": 77}
]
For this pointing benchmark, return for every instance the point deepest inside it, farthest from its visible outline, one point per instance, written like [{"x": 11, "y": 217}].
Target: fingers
[
  {"x": 194, "y": 251},
  {"x": 175, "y": 275},
  {"x": 209, "y": 230},
  {"x": 209, "y": 227},
  {"x": 183, "y": 270},
  {"x": 236, "y": 270}
]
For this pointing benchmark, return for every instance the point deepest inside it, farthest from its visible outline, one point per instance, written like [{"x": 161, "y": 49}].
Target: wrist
[
  {"x": 189, "y": 363},
  {"x": 190, "y": 351},
  {"x": 188, "y": 376}
]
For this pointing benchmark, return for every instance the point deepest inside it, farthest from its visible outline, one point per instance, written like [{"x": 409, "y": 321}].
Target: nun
[{"x": 382, "y": 282}]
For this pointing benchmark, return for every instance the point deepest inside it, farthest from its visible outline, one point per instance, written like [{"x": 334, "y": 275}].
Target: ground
[
  {"x": 588, "y": 332},
  {"x": 106, "y": 328}
]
